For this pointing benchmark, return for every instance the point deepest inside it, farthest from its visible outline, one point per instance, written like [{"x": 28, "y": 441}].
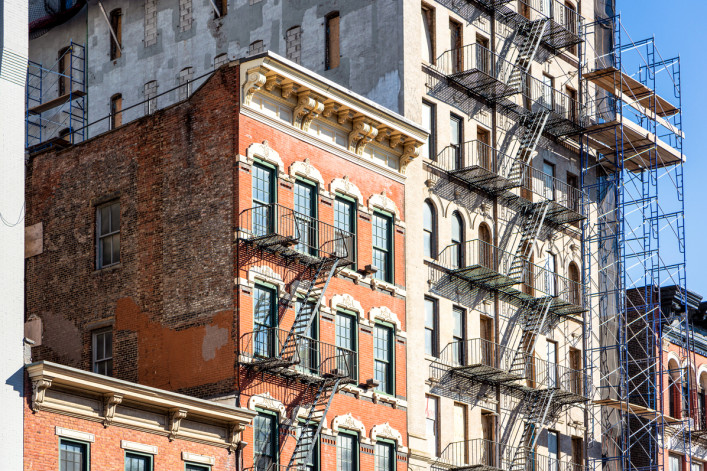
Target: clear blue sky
[{"x": 679, "y": 29}]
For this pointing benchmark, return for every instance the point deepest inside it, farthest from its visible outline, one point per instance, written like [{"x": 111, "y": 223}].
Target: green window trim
[
  {"x": 265, "y": 342},
  {"x": 354, "y": 336},
  {"x": 391, "y": 357},
  {"x": 352, "y": 224},
  {"x": 87, "y": 448},
  {"x": 393, "y": 463},
  {"x": 316, "y": 451},
  {"x": 355, "y": 452},
  {"x": 275, "y": 439},
  {"x": 149, "y": 458},
  {"x": 388, "y": 274},
  {"x": 191, "y": 466}
]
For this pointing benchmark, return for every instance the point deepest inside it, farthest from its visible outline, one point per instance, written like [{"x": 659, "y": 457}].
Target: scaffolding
[
  {"x": 316, "y": 250},
  {"x": 56, "y": 100},
  {"x": 473, "y": 77},
  {"x": 633, "y": 250}
]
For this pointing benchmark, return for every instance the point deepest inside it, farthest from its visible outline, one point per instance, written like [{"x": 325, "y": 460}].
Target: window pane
[
  {"x": 382, "y": 247},
  {"x": 107, "y": 251},
  {"x": 344, "y": 219},
  {"x": 115, "y": 255},
  {"x": 137, "y": 462},
  {"x": 196, "y": 467},
  {"x": 265, "y": 441},
  {"x": 72, "y": 456},
  {"x": 432, "y": 426},
  {"x": 385, "y": 457},
  {"x": 264, "y": 319},
  {"x": 346, "y": 452},
  {"x": 262, "y": 184},
  {"x": 382, "y": 350},
  {"x": 430, "y": 327},
  {"x": 115, "y": 217},
  {"x": 105, "y": 220}
]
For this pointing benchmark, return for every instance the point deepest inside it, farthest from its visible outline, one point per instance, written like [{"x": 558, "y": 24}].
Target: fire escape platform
[
  {"x": 557, "y": 36},
  {"x": 485, "y": 373},
  {"x": 484, "y": 179},
  {"x": 483, "y": 276},
  {"x": 58, "y": 101},
  {"x": 637, "y": 144},
  {"x": 482, "y": 84}
]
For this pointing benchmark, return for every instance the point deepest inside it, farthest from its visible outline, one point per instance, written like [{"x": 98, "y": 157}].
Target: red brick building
[{"x": 245, "y": 246}]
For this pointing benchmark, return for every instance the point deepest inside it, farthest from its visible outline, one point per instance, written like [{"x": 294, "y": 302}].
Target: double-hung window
[
  {"x": 345, "y": 221},
  {"x": 102, "y": 349},
  {"x": 432, "y": 425},
  {"x": 264, "y": 190},
  {"x": 306, "y": 217},
  {"x": 431, "y": 331},
  {"x": 346, "y": 338},
  {"x": 458, "y": 335},
  {"x": 309, "y": 345},
  {"x": 108, "y": 235},
  {"x": 384, "y": 456},
  {"x": 266, "y": 441},
  {"x": 383, "y": 345},
  {"x": 383, "y": 246},
  {"x": 138, "y": 462},
  {"x": 309, "y": 436},
  {"x": 346, "y": 452},
  {"x": 264, "y": 318},
  {"x": 73, "y": 456}
]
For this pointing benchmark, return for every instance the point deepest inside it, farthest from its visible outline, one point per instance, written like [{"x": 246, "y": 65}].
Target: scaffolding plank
[
  {"x": 58, "y": 101},
  {"x": 636, "y": 409},
  {"x": 608, "y": 79},
  {"x": 637, "y": 142}
]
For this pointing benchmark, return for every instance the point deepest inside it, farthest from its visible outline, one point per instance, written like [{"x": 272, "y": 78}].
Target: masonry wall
[{"x": 169, "y": 300}]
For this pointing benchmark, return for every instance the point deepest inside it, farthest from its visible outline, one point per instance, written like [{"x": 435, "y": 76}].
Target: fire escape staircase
[
  {"x": 526, "y": 52},
  {"x": 539, "y": 405}
]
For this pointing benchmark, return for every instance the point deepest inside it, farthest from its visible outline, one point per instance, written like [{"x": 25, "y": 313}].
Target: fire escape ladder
[
  {"x": 533, "y": 325},
  {"x": 539, "y": 405},
  {"x": 305, "y": 315},
  {"x": 310, "y": 429},
  {"x": 527, "y": 51},
  {"x": 528, "y": 143},
  {"x": 534, "y": 218}
]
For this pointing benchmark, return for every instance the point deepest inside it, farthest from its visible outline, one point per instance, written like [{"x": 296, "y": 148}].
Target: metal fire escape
[
  {"x": 316, "y": 250},
  {"x": 544, "y": 298},
  {"x": 56, "y": 100}
]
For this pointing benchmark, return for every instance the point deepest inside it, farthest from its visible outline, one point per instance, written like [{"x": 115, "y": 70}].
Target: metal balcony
[
  {"x": 476, "y": 359},
  {"x": 564, "y": 199},
  {"x": 478, "y": 70},
  {"x": 480, "y": 454},
  {"x": 295, "y": 235},
  {"x": 562, "y": 30},
  {"x": 566, "y": 115},
  {"x": 313, "y": 361},
  {"x": 478, "y": 165},
  {"x": 484, "y": 265}
]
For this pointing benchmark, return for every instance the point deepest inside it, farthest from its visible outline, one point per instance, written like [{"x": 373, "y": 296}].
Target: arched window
[
  {"x": 674, "y": 387},
  {"x": 429, "y": 228},
  {"x": 575, "y": 285},
  {"x": 457, "y": 240},
  {"x": 485, "y": 247}
]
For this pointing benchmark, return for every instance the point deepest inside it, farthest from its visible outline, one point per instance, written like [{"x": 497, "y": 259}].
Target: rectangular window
[
  {"x": 431, "y": 331},
  {"x": 578, "y": 454},
  {"x": 266, "y": 441},
  {"x": 461, "y": 426},
  {"x": 548, "y": 88},
  {"x": 548, "y": 180},
  {"x": 346, "y": 330},
  {"x": 695, "y": 465},
  {"x": 383, "y": 345},
  {"x": 345, "y": 220},
  {"x": 73, "y": 456},
  {"x": 116, "y": 35},
  {"x": 553, "y": 450},
  {"x": 196, "y": 467},
  {"x": 309, "y": 345},
  {"x": 455, "y": 140},
  {"x": 108, "y": 235},
  {"x": 333, "y": 52},
  {"x": 264, "y": 181},
  {"x": 432, "y": 425},
  {"x": 103, "y": 352},
  {"x": 551, "y": 275},
  {"x": 265, "y": 320},
  {"x": 116, "y": 108},
  {"x": 346, "y": 452},
  {"x": 551, "y": 358},
  {"x": 220, "y": 8},
  {"x": 459, "y": 335},
  {"x": 383, "y": 246},
  {"x": 428, "y": 121},
  {"x": 455, "y": 41},
  {"x": 313, "y": 462},
  {"x": 385, "y": 456},
  {"x": 306, "y": 214},
  {"x": 137, "y": 462},
  {"x": 428, "y": 34}
]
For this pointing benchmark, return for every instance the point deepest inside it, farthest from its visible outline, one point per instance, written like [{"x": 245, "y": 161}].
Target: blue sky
[{"x": 678, "y": 27}]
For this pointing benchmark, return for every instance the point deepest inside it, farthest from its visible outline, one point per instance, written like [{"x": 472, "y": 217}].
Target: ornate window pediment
[
  {"x": 387, "y": 432},
  {"x": 304, "y": 168},
  {"x": 345, "y": 187},
  {"x": 348, "y": 422},
  {"x": 265, "y": 153},
  {"x": 384, "y": 314},
  {"x": 346, "y": 301},
  {"x": 267, "y": 402},
  {"x": 382, "y": 202}
]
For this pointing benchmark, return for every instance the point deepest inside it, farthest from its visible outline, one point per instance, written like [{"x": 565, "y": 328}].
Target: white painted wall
[{"x": 13, "y": 54}]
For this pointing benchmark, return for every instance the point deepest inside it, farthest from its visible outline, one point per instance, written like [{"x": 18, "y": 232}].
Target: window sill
[{"x": 107, "y": 269}]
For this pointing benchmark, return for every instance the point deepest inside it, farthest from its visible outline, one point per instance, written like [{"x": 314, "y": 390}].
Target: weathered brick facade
[{"x": 180, "y": 300}]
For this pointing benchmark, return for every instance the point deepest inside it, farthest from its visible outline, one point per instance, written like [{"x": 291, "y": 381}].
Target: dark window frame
[
  {"x": 86, "y": 452},
  {"x": 432, "y": 139},
  {"x": 101, "y": 237},
  {"x": 392, "y": 446},
  {"x": 388, "y": 272},
  {"x": 352, "y": 205},
  {"x": 430, "y": 231},
  {"x": 432, "y": 348},
  {"x": 275, "y": 437},
  {"x": 390, "y": 361},
  {"x": 135, "y": 454},
  {"x": 116, "y": 24},
  {"x": 343, "y": 313},
  {"x": 95, "y": 361},
  {"x": 355, "y": 452},
  {"x": 460, "y": 341},
  {"x": 332, "y": 40}
]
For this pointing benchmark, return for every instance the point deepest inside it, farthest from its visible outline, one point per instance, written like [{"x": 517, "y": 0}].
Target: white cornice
[{"x": 327, "y": 147}]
